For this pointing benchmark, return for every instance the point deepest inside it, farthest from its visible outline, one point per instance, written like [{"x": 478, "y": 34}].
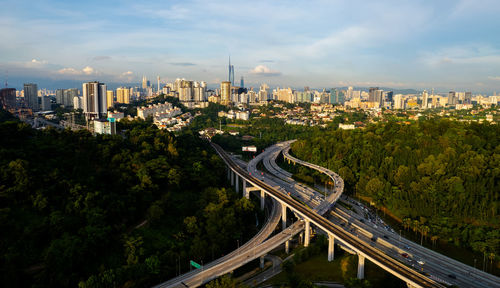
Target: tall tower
[
  {"x": 158, "y": 90},
  {"x": 231, "y": 72},
  {"x": 31, "y": 96},
  {"x": 94, "y": 100},
  {"x": 242, "y": 82},
  {"x": 225, "y": 92},
  {"x": 144, "y": 82}
]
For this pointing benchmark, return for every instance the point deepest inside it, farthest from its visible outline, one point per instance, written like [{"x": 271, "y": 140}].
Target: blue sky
[{"x": 399, "y": 44}]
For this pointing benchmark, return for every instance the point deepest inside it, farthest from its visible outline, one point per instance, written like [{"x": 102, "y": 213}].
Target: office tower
[
  {"x": 425, "y": 100},
  {"x": 144, "y": 82},
  {"x": 340, "y": 97},
  {"x": 231, "y": 72},
  {"x": 123, "y": 95},
  {"x": 242, "y": 83},
  {"x": 158, "y": 79},
  {"x": 388, "y": 95},
  {"x": 225, "y": 92},
  {"x": 399, "y": 102},
  {"x": 468, "y": 98},
  {"x": 349, "y": 92},
  {"x": 8, "y": 98},
  {"x": 94, "y": 100},
  {"x": 31, "y": 96},
  {"x": 109, "y": 98},
  {"x": 177, "y": 84},
  {"x": 68, "y": 96},
  {"x": 379, "y": 97},
  {"x": 46, "y": 105},
  {"x": 452, "y": 100},
  {"x": 77, "y": 103},
  {"x": 186, "y": 91},
  {"x": 60, "y": 96},
  {"x": 371, "y": 94}
]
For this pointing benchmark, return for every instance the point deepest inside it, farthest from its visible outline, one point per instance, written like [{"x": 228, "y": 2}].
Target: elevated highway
[{"x": 411, "y": 277}]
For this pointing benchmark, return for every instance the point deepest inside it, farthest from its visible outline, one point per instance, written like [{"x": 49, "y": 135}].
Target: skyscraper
[
  {"x": 123, "y": 95},
  {"x": 144, "y": 82},
  {"x": 225, "y": 92},
  {"x": 231, "y": 72},
  {"x": 425, "y": 99},
  {"x": 242, "y": 83},
  {"x": 109, "y": 98},
  {"x": 371, "y": 94},
  {"x": 31, "y": 96},
  {"x": 94, "y": 100},
  {"x": 8, "y": 98},
  {"x": 452, "y": 100},
  {"x": 68, "y": 96}
]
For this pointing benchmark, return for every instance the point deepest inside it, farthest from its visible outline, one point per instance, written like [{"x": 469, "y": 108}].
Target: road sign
[{"x": 194, "y": 264}]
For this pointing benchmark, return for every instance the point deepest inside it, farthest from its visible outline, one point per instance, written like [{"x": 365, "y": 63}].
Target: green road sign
[{"x": 194, "y": 264}]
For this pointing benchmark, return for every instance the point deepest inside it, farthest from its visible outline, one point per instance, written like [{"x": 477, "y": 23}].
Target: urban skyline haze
[{"x": 446, "y": 45}]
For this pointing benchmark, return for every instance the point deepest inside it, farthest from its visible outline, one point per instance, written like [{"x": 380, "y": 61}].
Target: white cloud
[
  {"x": 264, "y": 71},
  {"x": 72, "y": 71},
  {"x": 128, "y": 73},
  {"x": 69, "y": 71},
  {"x": 88, "y": 70},
  {"x": 496, "y": 78}
]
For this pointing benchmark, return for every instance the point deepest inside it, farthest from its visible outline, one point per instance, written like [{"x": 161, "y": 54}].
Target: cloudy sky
[{"x": 400, "y": 44}]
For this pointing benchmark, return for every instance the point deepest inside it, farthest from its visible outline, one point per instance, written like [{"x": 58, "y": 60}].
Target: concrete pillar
[
  {"x": 232, "y": 178},
  {"x": 247, "y": 193},
  {"x": 228, "y": 173},
  {"x": 244, "y": 187},
  {"x": 287, "y": 246},
  {"x": 307, "y": 232},
  {"x": 283, "y": 217},
  {"x": 301, "y": 237},
  {"x": 237, "y": 183},
  {"x": 262, "y": 199},
  {"x": 361, "y": 266},
  {"x": 331, "y": 247},
  {"x": 262, "y": 262}
]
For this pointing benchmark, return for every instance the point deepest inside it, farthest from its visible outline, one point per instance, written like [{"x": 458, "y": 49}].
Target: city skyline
[{"x": 422, "y": 45}]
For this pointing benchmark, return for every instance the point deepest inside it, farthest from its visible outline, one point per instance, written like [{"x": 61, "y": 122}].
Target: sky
[{"x": 446, "y": 45}]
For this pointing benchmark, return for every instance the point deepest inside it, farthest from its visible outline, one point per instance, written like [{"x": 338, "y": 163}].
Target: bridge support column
[
  {"x": 283, "y": 217},
  {"x": 287, "y": 246},
  {"x": 244, "y": 187},
  {"x": 232, "y": 178},
  {"x": 237, "y": 183},
  {"x": 228, "y": 173},
  {"x": 307, "y": 232},
  {"x": 361, "y": 266},
  {"x": 262, "y": 199},
  {"x": 331, "y": 247},
  {"x": 262, "y": 262}
]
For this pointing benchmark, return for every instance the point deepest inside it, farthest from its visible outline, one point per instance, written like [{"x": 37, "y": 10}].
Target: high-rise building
[
  {"x": 242, "y": 82},
  {"x": 231, "y": 72},
  {"x": 186, "y": 91},
  {"x": 399, "y": 102},
  {"x": 225, "y": 92},
  {"x": 46, "y": 105},
  {"x": 94, "y": 100},
  {"x": 123, "y": 95},
  {"x": 144, "y": 82},
  {"x": 452, "y": 99},
  {"x": 468, "y": 98},
  {"x": 60, "y": 96},
  {"x": 109, "y": 98},
  {"x": 371, "y": 94},
  {"x": 425, "y": 99},
  {"x": 68, "y": 96},
  {"x": 8, "y": 98},
  {"x": 31, "y": 96},
  {"x": 349, "y": 92}
]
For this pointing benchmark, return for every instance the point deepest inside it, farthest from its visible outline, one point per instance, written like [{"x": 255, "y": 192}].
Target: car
[
  {"x": 386, "y": 237},
  {"x": 452, "y": 276},
  {"x": 405, "y": 255},
  {"x": 421, "y": 262}
]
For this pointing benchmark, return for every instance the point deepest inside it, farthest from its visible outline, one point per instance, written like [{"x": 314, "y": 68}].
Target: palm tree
[
  {"x": 492, "y": 257},
  {"x": 406, "y": 222},
  {"x": 424, "y": 229},
  {"x": 416, "y": 224},
  {"x": 434, "y": 239}
]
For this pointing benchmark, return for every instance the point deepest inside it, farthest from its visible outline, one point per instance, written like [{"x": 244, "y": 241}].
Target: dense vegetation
[
  {"x": 107, "y": 211},
  {"x": 440, "y": 177}
]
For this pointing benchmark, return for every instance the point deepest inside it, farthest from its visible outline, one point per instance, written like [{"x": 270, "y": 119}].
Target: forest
[
  {"x": 440, "y": 178},
  {"x": 130, "y": 210}
]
